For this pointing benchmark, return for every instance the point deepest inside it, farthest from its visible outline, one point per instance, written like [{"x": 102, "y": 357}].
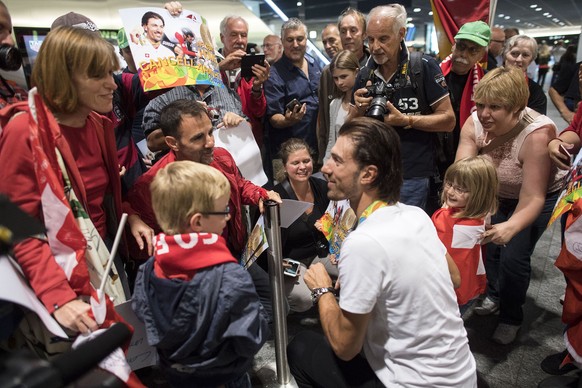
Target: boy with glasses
[{"x": 199, "y": 305}]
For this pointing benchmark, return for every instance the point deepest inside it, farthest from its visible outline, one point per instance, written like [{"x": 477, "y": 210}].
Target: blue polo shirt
[{"x": 285, "y": 83}]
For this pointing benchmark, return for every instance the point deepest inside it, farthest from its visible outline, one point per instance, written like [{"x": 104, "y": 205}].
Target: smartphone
[
  {"x": 293, "y": 270},
  {"x": 566, "y": 152},
  {"x": 247, "y": 63},
  {"x": 292, "y": 104}
]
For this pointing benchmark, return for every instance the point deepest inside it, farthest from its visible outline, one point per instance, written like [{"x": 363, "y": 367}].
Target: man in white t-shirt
[{"x": 397, "y": 301}]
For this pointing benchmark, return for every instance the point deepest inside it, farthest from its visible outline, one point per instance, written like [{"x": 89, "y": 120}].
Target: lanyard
[{"x": 378, "y": 204}]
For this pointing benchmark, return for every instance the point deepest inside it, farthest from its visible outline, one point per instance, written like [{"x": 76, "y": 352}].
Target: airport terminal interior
[{"x": 552, "y": 24}]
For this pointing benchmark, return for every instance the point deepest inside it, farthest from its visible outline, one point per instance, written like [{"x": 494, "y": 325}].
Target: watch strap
[{"x": 316, "y": 293}]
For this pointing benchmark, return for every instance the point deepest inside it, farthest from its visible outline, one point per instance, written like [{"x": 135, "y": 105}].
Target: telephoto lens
[{"x": 10, "y": 58}]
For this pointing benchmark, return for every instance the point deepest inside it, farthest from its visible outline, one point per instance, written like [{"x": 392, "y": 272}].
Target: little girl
[
  {"x": 469, "y": 195},
  {"x": 344, "y": 68}
]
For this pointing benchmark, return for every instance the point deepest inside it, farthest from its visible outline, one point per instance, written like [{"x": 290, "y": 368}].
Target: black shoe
[{"x": 551, "y": 364}]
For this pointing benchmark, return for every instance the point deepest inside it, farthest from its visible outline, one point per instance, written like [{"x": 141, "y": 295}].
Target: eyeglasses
[
  {"x": 458, "y": 190},
  {"x": 225, "y": 213},
  {"x": 472, "y": 50}
]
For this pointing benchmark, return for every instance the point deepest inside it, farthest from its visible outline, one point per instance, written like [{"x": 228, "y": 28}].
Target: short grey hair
[
  {"x": 293, "y": 24},
  {"x": 227, "y": 19},
  {"x": 394, "y": 11},
  {"x": 517, "y": 39}
]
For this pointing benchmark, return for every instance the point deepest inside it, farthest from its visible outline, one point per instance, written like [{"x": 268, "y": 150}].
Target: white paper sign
[
  {"x": 14, "y": 288},
  {"x": 139, "y": 354},
  {"x": 241, "y": 144},
  {"x": 292, "y": 210}
]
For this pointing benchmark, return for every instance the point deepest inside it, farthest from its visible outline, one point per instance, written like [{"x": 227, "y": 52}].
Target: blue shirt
[{"x": 285, "y": 83}]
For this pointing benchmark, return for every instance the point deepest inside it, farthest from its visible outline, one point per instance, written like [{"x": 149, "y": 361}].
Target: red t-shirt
[{"x": 85, "y": 148}]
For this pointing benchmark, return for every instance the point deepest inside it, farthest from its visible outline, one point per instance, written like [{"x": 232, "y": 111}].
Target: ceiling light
[
  {"x": 500, "y": 15},
  {"x": 517, "y": 20},
  {"x": 538, "y": 9},
  {"x": 533, "y": 5},
  {"x": 507, "y": 17},
  {"x": 299, "y": 4},
  {"x": 549, "y": 16},
  {"x": 562, "y": 23},
  {"x": 416, "y": 10},
  {"x": 312, "y": 34},
  {"x": 408, "y": 20},
  {"x": 546, "y": 13},
  {"x": 430, "y": 13}
]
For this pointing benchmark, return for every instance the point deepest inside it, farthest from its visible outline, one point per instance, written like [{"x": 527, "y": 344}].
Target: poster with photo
[
  {"x": 170, "y": 51},
  {"x": 572, "y": 190}
]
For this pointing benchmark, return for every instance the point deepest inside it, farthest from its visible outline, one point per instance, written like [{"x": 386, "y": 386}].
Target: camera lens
[
  {"x": 10, "y": 58},
  {"x": 378, "y": 108}
]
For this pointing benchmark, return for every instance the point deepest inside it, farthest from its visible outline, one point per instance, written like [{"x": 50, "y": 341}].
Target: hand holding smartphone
[
  {"x": 567, "y": 153},
  {"x": 292, "y": 104},
  {"x": 248, "y": 61},
  {"x": 291, "y": 268}
]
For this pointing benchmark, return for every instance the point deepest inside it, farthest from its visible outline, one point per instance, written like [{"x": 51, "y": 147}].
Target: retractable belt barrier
[{"x": 273, "y": 231}]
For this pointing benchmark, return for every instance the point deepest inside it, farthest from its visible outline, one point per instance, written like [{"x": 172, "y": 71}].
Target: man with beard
[
  {"x": 150, "y": 43},
  {"x": 417, "y": 104},
  {"x": 188, "y": 133},
  {"x": 397, "y": 300},
  {"x": 462, "y": 72}
]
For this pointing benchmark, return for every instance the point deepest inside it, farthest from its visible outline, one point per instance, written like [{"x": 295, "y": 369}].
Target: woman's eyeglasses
[{"x": 225, "y": 213}]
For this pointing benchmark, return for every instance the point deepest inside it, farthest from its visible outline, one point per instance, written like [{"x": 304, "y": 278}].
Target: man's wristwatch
[{"x": 316, "y": 293}]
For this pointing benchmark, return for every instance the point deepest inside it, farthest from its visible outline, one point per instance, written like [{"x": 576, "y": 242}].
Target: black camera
[
  {"x": 10, "y": 58},
  {"x": 381, "y": 93}
]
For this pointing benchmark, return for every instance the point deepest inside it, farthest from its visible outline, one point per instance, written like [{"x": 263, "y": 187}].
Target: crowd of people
[{"x": 390, "y": 133}]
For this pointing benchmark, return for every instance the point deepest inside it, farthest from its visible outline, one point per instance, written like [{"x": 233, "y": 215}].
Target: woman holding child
[{"x": 515, "y": 138}]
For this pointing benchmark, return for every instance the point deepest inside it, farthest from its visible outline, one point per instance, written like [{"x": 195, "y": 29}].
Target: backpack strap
[{"x": 416, "y": 78}]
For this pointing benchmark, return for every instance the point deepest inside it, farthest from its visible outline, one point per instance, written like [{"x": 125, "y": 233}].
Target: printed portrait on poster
[{"x": 170, "y": 51}]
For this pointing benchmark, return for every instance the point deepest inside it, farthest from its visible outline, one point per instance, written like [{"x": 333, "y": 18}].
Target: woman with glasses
[
  {"x": 515, "y": 138},
  {"x": 520, "y": 51}
]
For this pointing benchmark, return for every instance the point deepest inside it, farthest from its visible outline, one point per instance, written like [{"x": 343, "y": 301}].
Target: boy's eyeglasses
[
  {"x": 458, "y": 190},
  {"x": 225, "y": 213}
]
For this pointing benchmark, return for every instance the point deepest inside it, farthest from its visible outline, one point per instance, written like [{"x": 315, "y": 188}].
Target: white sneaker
[
  {"x": 487, "y": 307},
  {"x": 505, "y": 334}
]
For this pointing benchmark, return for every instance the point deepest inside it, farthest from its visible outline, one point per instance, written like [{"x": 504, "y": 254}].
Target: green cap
[
  {"x": 122, "y": 39},
  {"x": 478, "y": 32}
]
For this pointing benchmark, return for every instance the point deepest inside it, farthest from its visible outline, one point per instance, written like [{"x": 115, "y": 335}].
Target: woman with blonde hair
[{"x": 515, "y": 138}]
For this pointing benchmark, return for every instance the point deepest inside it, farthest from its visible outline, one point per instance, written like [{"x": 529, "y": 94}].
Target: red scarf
[
  {"x": 467, "y": 103},
  {"x": 181, "y": 255}
]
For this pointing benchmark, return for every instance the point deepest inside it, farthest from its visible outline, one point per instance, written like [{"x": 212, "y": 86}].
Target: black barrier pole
[{"x": 273, "y": 231}]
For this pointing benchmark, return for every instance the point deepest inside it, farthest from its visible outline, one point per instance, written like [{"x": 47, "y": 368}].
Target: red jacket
[
  {"x": 18, "y": 179},
  {"x": 242, "y": 192},
  {"x": 252, "y": 106}
]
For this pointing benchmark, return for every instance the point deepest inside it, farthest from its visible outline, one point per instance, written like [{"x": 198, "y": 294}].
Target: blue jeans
[
  {"x": 414, "y": 191},
  {"x": 509, "y": 267}
]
